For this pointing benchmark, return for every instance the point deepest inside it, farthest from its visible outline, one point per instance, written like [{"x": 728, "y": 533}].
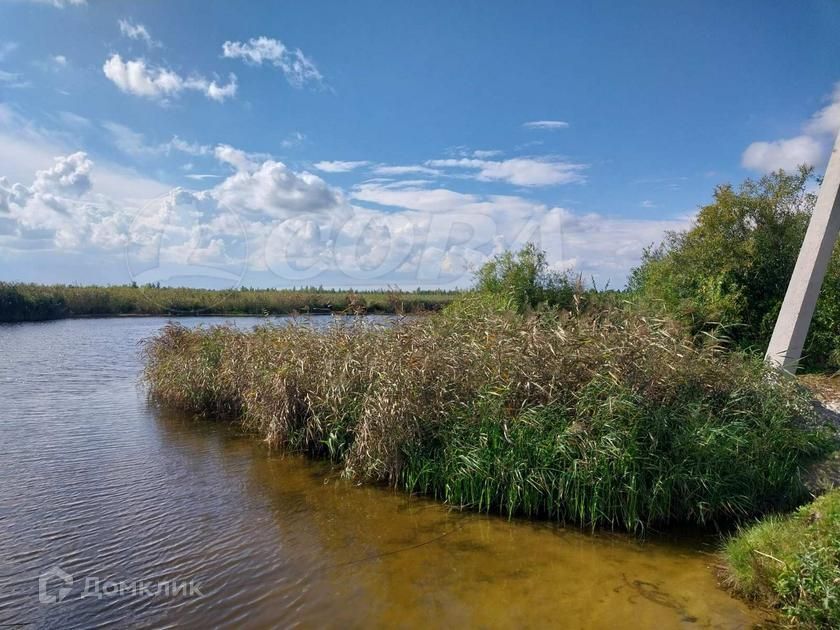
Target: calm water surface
[{"x": 109, "y": 489}]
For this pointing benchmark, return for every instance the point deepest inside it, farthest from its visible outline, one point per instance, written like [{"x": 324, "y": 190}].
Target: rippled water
[{"x": 111, "y": 490}]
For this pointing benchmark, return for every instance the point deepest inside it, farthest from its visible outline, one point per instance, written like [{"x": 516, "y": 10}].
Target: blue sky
[{"x": 366, "y": 144}]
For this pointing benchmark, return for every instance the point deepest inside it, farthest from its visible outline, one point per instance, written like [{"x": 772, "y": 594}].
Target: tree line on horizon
[{"x": 33, "y": 302}]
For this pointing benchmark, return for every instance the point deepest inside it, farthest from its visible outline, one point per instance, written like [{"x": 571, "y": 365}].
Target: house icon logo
[{"x": 55, "y": 573}]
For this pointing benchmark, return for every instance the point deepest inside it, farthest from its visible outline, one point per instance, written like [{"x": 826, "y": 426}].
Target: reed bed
[
  {"x": 32, "y": 302},
  {"x": 612, "y": 419}
]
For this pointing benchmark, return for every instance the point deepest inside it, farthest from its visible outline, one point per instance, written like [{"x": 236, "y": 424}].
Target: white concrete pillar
[{"x": 791, "y": 328}]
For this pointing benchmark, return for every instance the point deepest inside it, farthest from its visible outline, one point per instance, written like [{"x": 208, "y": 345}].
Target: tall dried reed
[{"x": 613, "y": 419}]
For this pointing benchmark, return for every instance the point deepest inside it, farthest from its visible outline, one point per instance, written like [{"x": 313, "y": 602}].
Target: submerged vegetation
[
  {"x": 792, "y": 563},
  {"x": 594, "y": 416},
  {"x": 31, "y": 302}
]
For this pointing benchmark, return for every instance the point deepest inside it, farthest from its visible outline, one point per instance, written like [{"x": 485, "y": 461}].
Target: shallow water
[{"x": 119, "y": 494}]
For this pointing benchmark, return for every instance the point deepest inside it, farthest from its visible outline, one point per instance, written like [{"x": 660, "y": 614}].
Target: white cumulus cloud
[
  {"x": 137, "y": 32},
  {"x": 237, "y": 158},
  {"x": 50, "y": 208},
  {"x": 543, "y": 171},
  {"x": 274, "y": 219},
  {"x": 785, "y": 154},
  {"x": 339, "y": 166},
  {"x": 811, "y": 147},
  {"x": 69, "y": 175},
  {"x": 296, "y": 67},
  {"x": 826, "y": 120},
  {"x": 272, "y": 188},
  {"x": 407, "y": 169},
  {"x": 135, "y": 76}
]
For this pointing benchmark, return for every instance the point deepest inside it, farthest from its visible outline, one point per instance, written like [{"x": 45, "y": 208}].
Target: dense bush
[
  {"x": 523, "y": 281},
  {"x": 792, "y": 563},
  {"x": 733, "y": 267},
  {"x": 613, "y": 419}
]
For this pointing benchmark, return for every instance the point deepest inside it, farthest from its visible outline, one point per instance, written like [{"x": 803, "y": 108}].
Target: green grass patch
[{"x": 792, "y": 563}]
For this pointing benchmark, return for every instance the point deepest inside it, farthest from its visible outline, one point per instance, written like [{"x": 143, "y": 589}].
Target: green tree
[
  {"x": 524, "y": 281},
  {"x": 732, "y": 268}
]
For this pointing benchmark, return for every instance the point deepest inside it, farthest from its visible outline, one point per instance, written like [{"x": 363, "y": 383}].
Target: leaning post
[{"x": 791, "y": 328}]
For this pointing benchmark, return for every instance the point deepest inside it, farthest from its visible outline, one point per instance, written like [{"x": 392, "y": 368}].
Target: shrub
[{"x": 523, "y": 281}]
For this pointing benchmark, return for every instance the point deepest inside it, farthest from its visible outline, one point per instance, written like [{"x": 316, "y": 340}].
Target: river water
[{"x": 160, "y": 520}]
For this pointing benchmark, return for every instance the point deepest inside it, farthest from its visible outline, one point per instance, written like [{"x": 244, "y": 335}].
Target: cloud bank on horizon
[
  {"x": 263, "y": 216},
  {"x": 218, "y": 159}
]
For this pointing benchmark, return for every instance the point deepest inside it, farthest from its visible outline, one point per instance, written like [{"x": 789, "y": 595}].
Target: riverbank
[
  {"x": 791, "y": 563},
  {"x": 31, "y": 302},
  {"x": 612, "y": 420}
]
